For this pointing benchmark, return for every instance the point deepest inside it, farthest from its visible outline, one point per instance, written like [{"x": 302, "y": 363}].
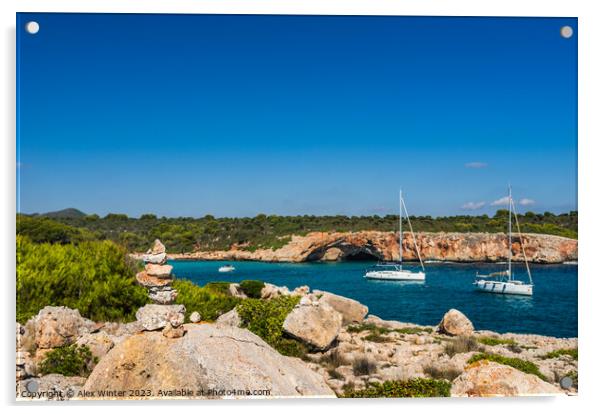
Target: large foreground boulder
[
  {"x": 313, "y": 322},
  {"x": 153, "y": 317},
  {"x": 56, "y": 326},
  {"x": 351, "y": 310},
  {"x": 455, "y": 323},
  {"x": 488, "y": 379},
  {"x": 211, "y": 361}
]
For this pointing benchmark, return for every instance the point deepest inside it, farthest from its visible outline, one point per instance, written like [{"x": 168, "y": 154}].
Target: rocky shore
[
  {"x": 374, "y": 245},
  {"x": 348, "y": 350}
]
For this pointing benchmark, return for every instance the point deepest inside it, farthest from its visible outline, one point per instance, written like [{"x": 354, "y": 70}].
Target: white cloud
[
  {"x": 526, "y": 202},
  {"x": 501, "y": 202},
  {"x": 471, "y": 205},
  {"x": 475, "y": 164}
]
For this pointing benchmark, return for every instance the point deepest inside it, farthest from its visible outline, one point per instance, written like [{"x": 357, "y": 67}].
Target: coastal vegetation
[
  {"x": 95, "y": 277},
  {"x": 416, "y": 387},
  {"x": 68, "y": 360},
  {"x": 265, "y": 319},
  {"x": 527, "y": 367},
  {"x": 210, "y": 301},
  {"x": 185, "y": 234},
  {"x": 492, "y": 341},
  {"x": 572, "y": 352}
]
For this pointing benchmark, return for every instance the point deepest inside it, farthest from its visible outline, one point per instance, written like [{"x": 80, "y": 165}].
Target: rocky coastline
[
  {"x": 348, "y": 350},
  {"x": 375, "y": 245}
]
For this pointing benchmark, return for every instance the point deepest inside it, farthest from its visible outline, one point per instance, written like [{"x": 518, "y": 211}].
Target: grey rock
[
  {"x": 351, "y": 310},
  {"x": 231, "y": 318},
  {"x": 164, "y": 297},
  {"x": 153, "y": 317},
  {"x": 455, "y": 323},
  {"x": 195, "y": 317},
  {"x": 56, "y": 326},
  {"x": 317, "y": 324}
]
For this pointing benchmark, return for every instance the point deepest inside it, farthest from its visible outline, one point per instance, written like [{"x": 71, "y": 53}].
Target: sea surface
[{"x": 551, "y": 311}]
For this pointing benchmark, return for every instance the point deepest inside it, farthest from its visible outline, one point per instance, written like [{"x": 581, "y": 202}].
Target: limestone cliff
[{"x": 376, "y": 245}]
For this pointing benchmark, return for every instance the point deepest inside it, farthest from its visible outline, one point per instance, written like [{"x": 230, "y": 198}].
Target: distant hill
[{"x": 65, "y": 213}]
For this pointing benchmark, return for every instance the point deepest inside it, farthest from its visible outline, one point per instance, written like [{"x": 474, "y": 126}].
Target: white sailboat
[
  {"x": 504, "y": 282},
  {"x": 226, "y": 268},
  {"x": 395, "y": 271}
]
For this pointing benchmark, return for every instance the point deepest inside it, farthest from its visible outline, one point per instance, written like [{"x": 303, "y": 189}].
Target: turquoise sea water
[{"x": 552, "y": 310}]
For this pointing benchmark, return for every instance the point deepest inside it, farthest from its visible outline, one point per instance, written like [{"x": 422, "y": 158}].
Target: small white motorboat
[
  {"x": 395, "y": 271},
  {"x": 226, "y": 268},
  {"x": 504, "y": 282}
]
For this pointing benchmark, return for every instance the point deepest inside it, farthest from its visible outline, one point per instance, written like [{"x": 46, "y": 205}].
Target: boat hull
[
  {"x": 394, "y": 275},
  {"x": 504, "y": 288},
  {"x": 225, "y": 270}
]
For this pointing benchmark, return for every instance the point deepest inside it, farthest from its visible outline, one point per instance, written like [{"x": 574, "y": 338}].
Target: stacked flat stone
[{"x": 156, "y": 276}]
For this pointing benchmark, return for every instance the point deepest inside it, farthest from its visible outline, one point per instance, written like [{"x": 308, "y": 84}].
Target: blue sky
[{"x": 187, "y": 115}]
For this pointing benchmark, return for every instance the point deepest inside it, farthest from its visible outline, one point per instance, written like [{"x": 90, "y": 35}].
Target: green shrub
[
  {"x": 291, "y": 347},
  {"x": 265, "y": 318},
  {"x": 68, "y": 360},
  {"x": 219, "y": 287},
  {"x": 417, "y": 387},
  {"x": 527, "y": 367},
  {"x": 208, "y": 301},
  {"x": 382, "y": 330},
  {"x": 252, "y": 288},
  {"x": 94, "y": 277},
  {"x": 460, "y": 345},
  {"x": 492, "y": 341},
  {"x": 572, "y": 352},
  {"x": 376, "y": 337}
]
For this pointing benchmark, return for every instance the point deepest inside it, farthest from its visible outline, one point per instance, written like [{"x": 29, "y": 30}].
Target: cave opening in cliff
[{"x": 361, "y": 256}]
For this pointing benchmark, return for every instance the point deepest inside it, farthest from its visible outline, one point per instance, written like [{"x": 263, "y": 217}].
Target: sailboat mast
[
  {"x": 509, "y": 232},
  {"x": 400, "y": 233}
]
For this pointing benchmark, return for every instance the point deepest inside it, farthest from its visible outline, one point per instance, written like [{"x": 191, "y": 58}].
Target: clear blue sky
[{"x": 186, "y": 115}]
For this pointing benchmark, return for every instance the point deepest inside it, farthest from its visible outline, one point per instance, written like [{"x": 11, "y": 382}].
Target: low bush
[
  {"x": 527, "y": 367},
  {"x": 493, "y": 341},
  {"x": 448, "y": 374},
  {"x": 94, "y": 277},
  {"x": 208, "y": 301},
  {"x": 376, "y": 337},
  {"x": 334, "y": 374},
  {"x": 382, "y": 330},
  {"x": 363, "y": 366},
  {"x": 460, "y": 345},
  {"x": 572, "y": 352},
  {"x": 68, "y": 360},
  {"x": 252, "y": 288},
  {"x": 333, "y": 359},
  {"x": 265, "y": 318},
  {"x": 417, "y": 387},
  {"x": 219, "y": 287}
]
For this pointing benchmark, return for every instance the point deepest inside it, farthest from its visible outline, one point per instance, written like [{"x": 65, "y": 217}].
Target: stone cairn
[
  {"x": 156, "y": 276},
  {"x": 157, "y": 279}
]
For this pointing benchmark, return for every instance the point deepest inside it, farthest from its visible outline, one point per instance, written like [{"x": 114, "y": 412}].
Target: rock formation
[
  {"x": 376, "y": 245},
  {"x": 489, "y": 379},
  {"x": 208, "y": 359},
  {"x": 346, "y": 350},
  {"x": 455, "y": 323},
  {"x": 156, "y": 276},
  {"x": 314, "y": 322}
]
